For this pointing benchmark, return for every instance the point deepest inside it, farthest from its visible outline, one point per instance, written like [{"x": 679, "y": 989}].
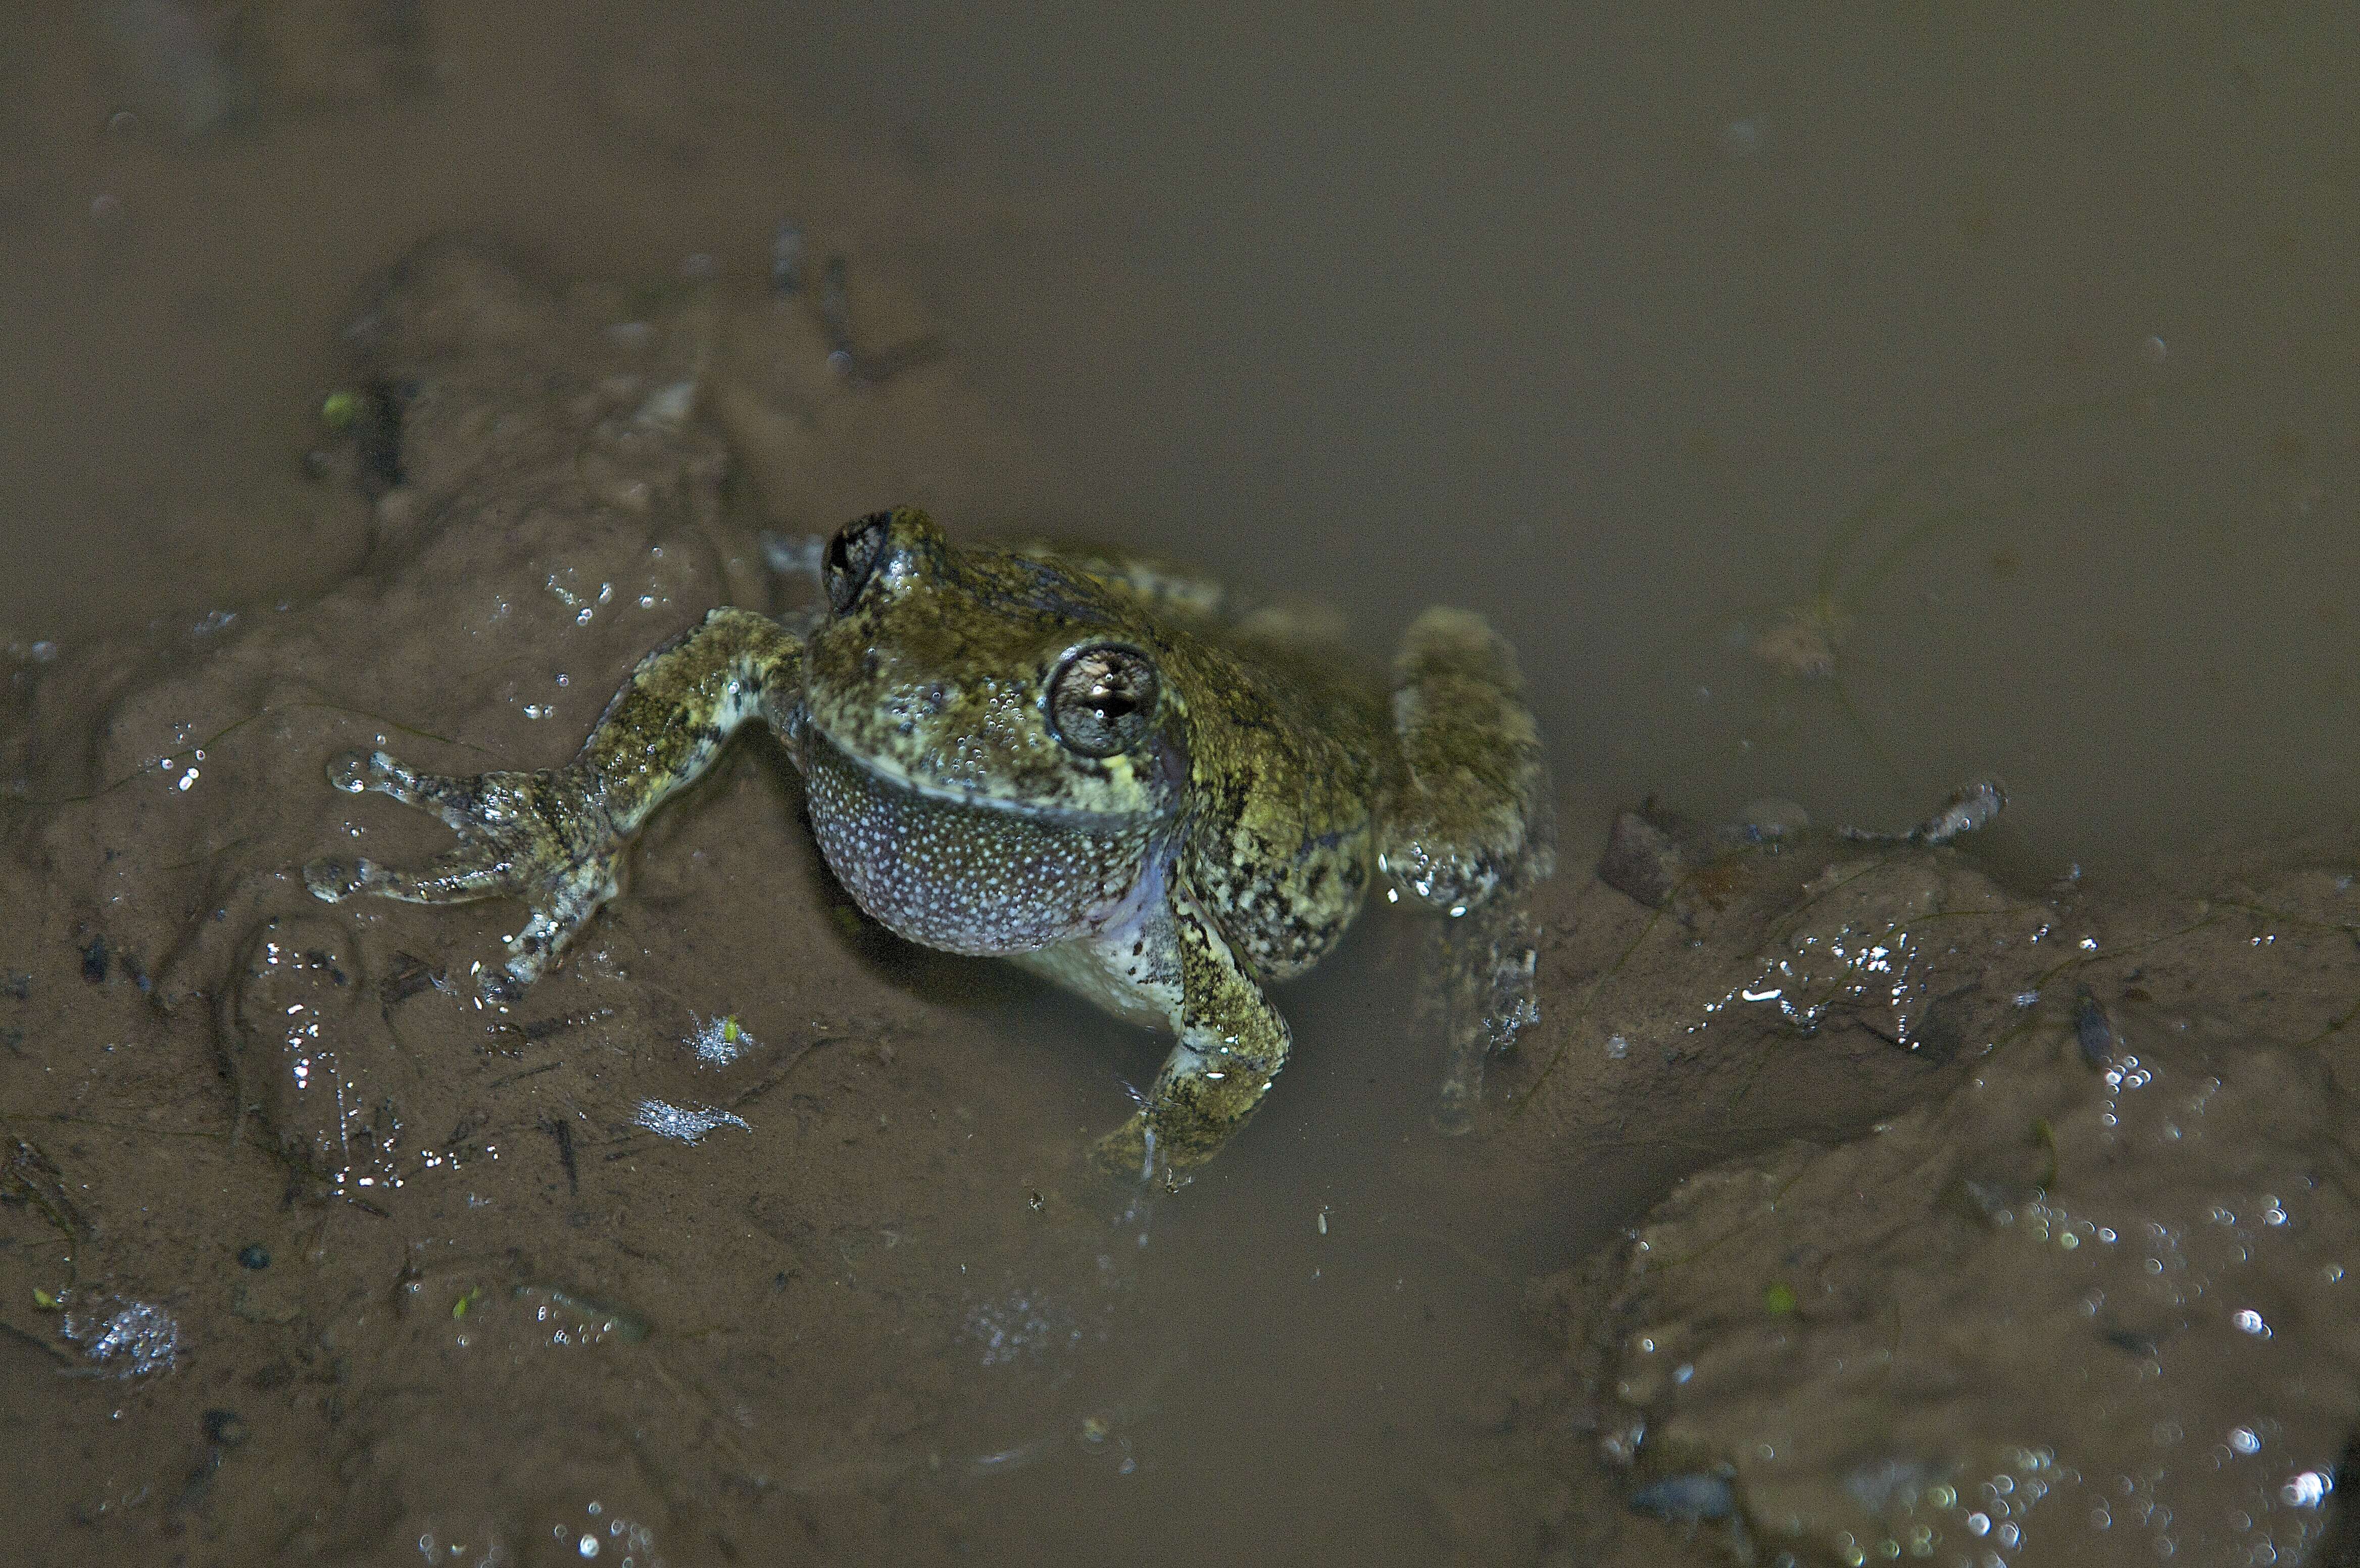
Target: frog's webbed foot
[
  {"x": 542, "y": 838},
  {"x": 1127, "y": 1153},
  {"x": 1199, "y": 1102}
]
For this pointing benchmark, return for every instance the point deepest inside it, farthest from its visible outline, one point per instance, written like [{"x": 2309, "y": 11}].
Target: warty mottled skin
[{"x": 1050, "y": 754}]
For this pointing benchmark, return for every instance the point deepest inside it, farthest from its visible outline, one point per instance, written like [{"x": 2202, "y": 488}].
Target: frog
[{"x": 1077, "y": 759}]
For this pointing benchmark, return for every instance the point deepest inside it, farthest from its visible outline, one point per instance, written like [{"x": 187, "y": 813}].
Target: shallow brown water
[
  {"x": 1604, "y": 325},
  {"x": 2028, "y": 339}
]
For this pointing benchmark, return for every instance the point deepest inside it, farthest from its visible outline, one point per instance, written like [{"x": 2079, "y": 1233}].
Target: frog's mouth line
[{"x": 1073, "y": 816}]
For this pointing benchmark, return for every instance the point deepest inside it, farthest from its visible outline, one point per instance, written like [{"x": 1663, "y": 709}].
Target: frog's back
[{"x": 1287, "y": 761}]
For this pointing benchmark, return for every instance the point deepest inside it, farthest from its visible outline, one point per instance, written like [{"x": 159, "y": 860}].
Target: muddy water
[{"x": 1828, "y": 414}]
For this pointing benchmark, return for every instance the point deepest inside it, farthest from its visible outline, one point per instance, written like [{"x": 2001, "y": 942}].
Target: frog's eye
[
  {"x": 1102, "y": 700},
  {"x": 852, "y": 555}
]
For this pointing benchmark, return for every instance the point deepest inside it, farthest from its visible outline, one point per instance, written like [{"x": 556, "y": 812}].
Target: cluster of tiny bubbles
[
  {"x": 584, "y": 605},
  {"x": 380, "y": 1143},
  {"x": 130, "y": 1339},
  {"x": 492, "y": 1553},
  {"x": 1018, "y": 1324},
  {"x": 611, "y": 1538},
  {"x": 2280, "y": 1522},
  {"x": 442, "y": 1159},
  {"x": 179, "y": 780},
  {"x": 684, "y": 1124},
  {"x": 368, "y": 1143},
  {"x": 571, "y": 1322},
  {"x": 1990, "y": 1516},
  {"x": 365, "y": 1130},
  {"x": 1975, "y": 1524},
  {"x": 718, "y": 1040},
  {"x": 1803, "y": 992},
  {"x": 2124, "y": 1076},
  {"x": 2042, "y": 1221}
]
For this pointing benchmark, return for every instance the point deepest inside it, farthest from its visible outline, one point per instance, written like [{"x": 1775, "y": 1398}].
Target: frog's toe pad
[
  {"x": 353, "y": 772},
  {"x": 468, "y": 804}
]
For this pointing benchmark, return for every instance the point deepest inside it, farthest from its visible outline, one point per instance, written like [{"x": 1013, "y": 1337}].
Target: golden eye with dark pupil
[
  {"x": 1102, "y": 700},
  {"x": 852, "y": 557}
]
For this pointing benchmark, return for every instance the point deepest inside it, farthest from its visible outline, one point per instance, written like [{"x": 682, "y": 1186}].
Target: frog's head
[{"x": 993, "y": 753}]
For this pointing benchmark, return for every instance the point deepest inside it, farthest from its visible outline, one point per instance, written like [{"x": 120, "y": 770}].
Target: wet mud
[
  {"x": 2082, "y": 1303},
  {"x": 753, "y": 1234}
]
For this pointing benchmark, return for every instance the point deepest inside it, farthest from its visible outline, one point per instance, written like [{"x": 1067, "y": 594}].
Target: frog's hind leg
[
  {"x": 539, "y": 837},
  {"x": 1478, "y": 977},
  {"x": 554, "y": 838},
  {"x": 1177, "y": 968},
  {"x": 1468, "y": 833}
]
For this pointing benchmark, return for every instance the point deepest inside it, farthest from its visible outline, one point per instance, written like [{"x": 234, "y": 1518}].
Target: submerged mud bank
[
  {"x": 2085, "y": 1303},
  {"x": 751, "y": 1233}
]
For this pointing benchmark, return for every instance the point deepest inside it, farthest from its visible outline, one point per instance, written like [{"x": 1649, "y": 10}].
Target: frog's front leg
[
  {"x": 1178, "y": 967},
  {"x": 1468, "y": 835},
  {"x": 554, "y": 838}
]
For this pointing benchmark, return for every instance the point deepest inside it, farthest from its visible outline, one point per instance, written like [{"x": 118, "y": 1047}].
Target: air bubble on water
[
  {"x": 133, "y": 1339},
  {"x": 2307, "y": 1490},
  {"x": 719, "y": 1040},
  {"x": 686, "y": 1124}
]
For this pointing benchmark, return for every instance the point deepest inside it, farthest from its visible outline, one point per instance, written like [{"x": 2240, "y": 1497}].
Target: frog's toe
[
  {"x": 333, "y": 881},
  {"x": 502, "y": 984},
  {"x": 454, "y": 879},
  {"x": 352, "y": 771},
  {"x": 381, "y": 772},
  {"x": 465, "y": 805},
  {"x": 542, "y": 838},
  {"x": 557, "y": 914}
]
